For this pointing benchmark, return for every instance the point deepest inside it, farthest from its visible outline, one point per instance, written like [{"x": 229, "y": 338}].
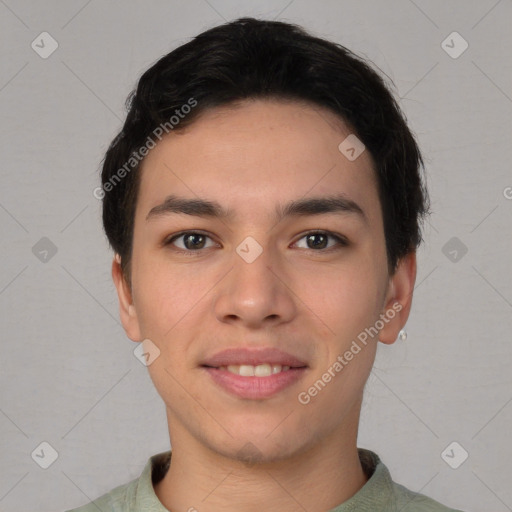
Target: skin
[{"x": 307, "y": 301}]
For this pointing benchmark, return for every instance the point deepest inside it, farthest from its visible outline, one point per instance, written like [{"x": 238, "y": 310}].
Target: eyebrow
[{"x": 301, "y": 207}]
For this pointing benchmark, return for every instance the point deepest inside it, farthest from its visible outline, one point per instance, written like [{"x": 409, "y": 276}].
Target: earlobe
[
  {"x": 397, "y": 304},
  {"x": 127, "y": 310}
]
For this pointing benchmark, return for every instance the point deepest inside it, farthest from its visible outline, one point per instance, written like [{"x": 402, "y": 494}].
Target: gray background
[{"x": 68, "y": 373}]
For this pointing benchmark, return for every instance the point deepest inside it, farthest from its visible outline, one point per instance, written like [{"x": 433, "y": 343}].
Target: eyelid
[
  {"x": 171, "y": 238},
  {"x": 341, "y": 240}
]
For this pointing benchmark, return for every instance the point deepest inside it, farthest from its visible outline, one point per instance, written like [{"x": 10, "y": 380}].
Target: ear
[
  {"x": 398, "y": 298},
  {"x": 127, "y": 310}
]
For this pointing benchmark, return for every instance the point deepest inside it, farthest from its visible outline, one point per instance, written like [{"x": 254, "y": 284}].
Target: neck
[{"x": 320, "y": 477}]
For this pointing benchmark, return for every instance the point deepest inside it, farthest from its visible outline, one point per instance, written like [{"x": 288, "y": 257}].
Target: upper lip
[{"x": 253, "y": 357}]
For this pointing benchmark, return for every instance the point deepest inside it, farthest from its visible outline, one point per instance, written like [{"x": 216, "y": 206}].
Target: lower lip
[{"x": 255, "y": 387}]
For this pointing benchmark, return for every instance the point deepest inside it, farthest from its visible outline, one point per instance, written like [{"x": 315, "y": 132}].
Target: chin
[{"x": 262, "y": 449}]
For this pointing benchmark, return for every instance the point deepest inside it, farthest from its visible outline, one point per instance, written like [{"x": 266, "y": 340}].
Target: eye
[
  {"x": 190, "y": 241},
  {"x": 194, "y": 241},
  {"x": 318, "y": 240}
]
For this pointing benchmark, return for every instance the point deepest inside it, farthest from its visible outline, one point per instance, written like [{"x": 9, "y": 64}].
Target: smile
[
  {"x": 261, "y": 370},
  {"x": 258, "y": 382}
]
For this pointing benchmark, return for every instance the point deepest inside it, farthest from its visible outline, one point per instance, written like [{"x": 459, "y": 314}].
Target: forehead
[{"x": 258, "y": 155}]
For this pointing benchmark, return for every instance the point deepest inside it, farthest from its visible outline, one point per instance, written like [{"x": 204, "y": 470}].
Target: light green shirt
[{"x": 378, "y": 494}]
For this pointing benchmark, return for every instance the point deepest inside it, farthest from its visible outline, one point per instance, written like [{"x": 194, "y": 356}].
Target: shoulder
[
  {"x": 135, "y": 496},
  {"x": 409, "y": 501},
  {"x": 119, "y": 499},
  {"x": 382, "y": 493}
]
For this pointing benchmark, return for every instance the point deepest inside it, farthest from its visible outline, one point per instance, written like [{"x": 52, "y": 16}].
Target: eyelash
[{"x": 340, "y": 241}]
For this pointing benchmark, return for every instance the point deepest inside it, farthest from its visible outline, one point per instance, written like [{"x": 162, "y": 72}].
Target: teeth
[
  {"x": 245, "y": 370},
  {"x": 261, "y": 370}
]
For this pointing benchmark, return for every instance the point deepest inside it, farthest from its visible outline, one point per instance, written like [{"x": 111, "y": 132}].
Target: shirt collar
[
  {"x": 376, "y": 494},
  {"x": 155, "y": 469}
]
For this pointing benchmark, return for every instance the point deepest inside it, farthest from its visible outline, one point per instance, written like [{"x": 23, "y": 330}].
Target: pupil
[
  {"x": 193, "y": 239},
  {"x": 311, "y": 239}
]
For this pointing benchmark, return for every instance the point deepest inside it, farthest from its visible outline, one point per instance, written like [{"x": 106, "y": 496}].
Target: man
[{"x": 264, "y": 201}]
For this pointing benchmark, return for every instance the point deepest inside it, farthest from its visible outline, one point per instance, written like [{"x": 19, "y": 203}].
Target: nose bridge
[
  {"x": 252, "y": 275},
  {"x": 255, "y": 270},
  {"x": 253, "y": 291}
]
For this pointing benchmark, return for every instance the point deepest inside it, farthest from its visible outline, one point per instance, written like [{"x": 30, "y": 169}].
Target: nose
[{"x": 256, "y": 294}]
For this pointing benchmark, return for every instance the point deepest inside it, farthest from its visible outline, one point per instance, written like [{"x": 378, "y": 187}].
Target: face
[{"x": 258, "y": 261}]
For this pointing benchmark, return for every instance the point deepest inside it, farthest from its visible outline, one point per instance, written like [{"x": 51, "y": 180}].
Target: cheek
[
  {"x": 346, "y": 297},
  {"x": 171, "y": 300},
  {"x": 161, "y": 296},
  {"x": 347, "y": 300}
]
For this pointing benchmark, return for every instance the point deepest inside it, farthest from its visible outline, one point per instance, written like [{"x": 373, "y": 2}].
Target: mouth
[
  {"x": 261, "y": 370},
  {"x": 254, "y": 374},
  {"x": 262, "y": 358}
]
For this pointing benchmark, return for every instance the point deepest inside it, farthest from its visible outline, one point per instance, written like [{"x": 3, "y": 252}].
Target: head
[{"x": 239, "y": 136}]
